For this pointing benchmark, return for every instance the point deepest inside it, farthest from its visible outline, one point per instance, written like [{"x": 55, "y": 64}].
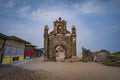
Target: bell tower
[{"x": 59, "y": 26}]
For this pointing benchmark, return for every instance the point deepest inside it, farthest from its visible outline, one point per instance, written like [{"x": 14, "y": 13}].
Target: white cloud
[
  {"x": 53, "y": 12},
  {"x": 43, "y": 14},
  {"x": 10, "y": 3},
  {"x": 46, "y": 14},
  {"x": 23, "y": 11},
  {"x": 89, "y": 7}
]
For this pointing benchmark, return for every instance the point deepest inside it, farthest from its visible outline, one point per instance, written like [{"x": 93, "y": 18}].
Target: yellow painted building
[
  {"x": 13, "y": 50},
  {"x": 2, "y": 42}
]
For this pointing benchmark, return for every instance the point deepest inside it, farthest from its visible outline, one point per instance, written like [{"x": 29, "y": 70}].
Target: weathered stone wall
[
  {"x": 98, "y": 56},
  {"x": 60, "y": 41},
  {"x": 60, "y": 36},
  {"x": 102, "y": 56}
]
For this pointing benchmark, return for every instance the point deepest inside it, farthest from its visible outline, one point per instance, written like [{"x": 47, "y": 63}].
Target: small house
[
  {"x": 13, "y": 49},
  {"x": 29, "y": 51},
  {"x": 40, "y": 52}
]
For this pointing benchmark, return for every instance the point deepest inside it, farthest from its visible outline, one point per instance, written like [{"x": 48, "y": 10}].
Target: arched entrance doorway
[{"x": 60, "y": 52}]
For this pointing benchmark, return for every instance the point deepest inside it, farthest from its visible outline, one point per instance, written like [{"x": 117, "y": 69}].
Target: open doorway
[{"x": 60, "y": 53}]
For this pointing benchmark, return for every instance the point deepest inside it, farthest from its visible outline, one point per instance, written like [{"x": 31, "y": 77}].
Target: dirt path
[
  {"x": 75, "y": 70},
  {"x": 17, "y": 73}
]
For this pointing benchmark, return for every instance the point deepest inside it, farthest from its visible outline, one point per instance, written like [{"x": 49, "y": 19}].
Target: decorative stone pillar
[
  {"x": 73, "y": 40},
  {"x": 46, "y": 40}
]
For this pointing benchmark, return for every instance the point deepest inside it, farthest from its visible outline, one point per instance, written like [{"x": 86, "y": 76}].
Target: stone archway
[
  {"x": 60, "y": 51},
  {"x": 60, "y": 35}
]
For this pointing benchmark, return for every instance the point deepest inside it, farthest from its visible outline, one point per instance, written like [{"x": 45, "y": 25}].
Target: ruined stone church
[{"x": 59, "y": 41}]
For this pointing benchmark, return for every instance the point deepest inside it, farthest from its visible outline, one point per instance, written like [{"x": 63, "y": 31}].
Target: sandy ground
[
  {"x": 75, "y": 70},
  {"x": 17, "y": 73}
]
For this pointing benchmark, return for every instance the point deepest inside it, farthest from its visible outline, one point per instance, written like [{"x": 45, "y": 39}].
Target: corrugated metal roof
[
  {"x": 19, "y": 39},
  {"x": 30, "y": 45},
  {"x": 3, "y": 36}
]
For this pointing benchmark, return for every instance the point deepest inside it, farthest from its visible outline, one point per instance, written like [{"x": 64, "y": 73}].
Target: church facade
[{"x": 60, "y": 36}]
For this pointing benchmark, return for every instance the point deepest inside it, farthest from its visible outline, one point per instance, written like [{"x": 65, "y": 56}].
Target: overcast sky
[{"x": 97, "y": 21}]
